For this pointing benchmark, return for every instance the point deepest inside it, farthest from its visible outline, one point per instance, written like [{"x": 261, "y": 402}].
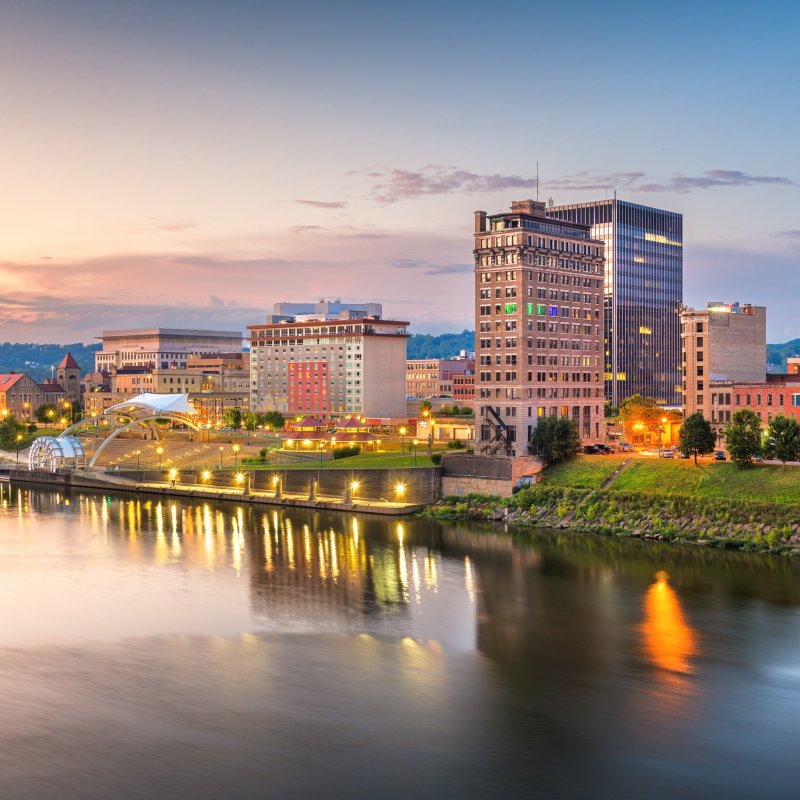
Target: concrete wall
[{"x": 462, "y": 485}]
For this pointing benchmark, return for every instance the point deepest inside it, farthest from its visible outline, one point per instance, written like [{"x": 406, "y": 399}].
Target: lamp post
[
  {"x": 221, "y": 448},
  {"x": 160, "y": 451},
  {"x": 235, "y": 456},
  {"x": 402, "y": 441},
  {"x": 138, "y": 462},
  {"x": 19, "y": 439}
]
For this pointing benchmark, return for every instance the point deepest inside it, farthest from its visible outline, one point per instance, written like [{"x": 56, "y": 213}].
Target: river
[{"x": 153, "y": 649}]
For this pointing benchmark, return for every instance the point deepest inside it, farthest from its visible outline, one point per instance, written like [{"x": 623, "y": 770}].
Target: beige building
[
  {"x": 161, "y": 348},
  {"x": 722, "y": 343},
  {"x": 539, "y": 327},
  {"x": 329, "y": 367}
]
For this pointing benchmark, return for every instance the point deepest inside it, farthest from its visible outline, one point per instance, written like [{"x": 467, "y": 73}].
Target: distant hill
[
  {"x": 36, "y": 359},
  {"x": 423, "y": 345},
  {"x": 778, "y": 353}
]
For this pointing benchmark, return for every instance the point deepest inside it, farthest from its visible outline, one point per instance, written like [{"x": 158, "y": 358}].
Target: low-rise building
[{"x": 21, "y": 395}]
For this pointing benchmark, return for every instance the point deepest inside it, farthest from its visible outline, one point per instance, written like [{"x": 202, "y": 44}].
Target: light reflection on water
[{"x": 144, "y": 636}]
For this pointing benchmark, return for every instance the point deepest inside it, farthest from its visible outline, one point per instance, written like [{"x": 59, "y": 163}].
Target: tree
[
  {"x": 274, "y": 420},
  {"x": 743, "y": 437},
  {"x": 252, "y": 420},
  {"x": 424, "y": 406},
  {"x": 10, "y": 429},
  {"x": 46, "y": 412},
  {"x": 233, "y": 418},
  {"x": 555, "y": 439},
  {"x": 638, "y": 410},
  {"x": 783, "y": 439},
  {"x": 696, "y": 436}
]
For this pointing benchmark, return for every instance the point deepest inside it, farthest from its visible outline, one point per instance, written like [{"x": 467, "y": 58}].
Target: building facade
[
  {"x": 329, "y": 368},
  {"x": 643, "y": 295},
  {"x": 538, "y": 327},
  {"x": 21, "y": 395},
  {"x": 724, "y": 342},
  {"x": 434, "y": 377},
  {"x": 161, "y": 348}
]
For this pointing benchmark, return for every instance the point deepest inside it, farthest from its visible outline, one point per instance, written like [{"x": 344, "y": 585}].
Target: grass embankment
[
  {"x": 713, "y": 503},
  {"x": 380, "y": 460}
]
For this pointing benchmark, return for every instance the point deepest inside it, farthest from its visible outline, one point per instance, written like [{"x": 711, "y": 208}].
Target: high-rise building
[
  {"x": 538, "y": 326},
  {"x": 329, "y": 367},
  {"x": 643, "y": 294},
  {"x": 721, "y": 343}
]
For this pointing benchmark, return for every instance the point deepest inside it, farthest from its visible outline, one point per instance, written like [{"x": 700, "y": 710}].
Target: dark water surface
[{"x": 171, "y": 650}]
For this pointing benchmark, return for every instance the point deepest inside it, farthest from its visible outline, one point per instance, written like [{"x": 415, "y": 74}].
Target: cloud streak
[
  {"x": 323, "y": 203},
  {"x": 427, "y": 268},
  {"x": 677, "y": 184},
  {"x": 388, "y": 185}
]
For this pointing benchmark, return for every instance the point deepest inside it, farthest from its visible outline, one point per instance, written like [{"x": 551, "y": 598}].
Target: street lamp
[
  {"x": 235, "y": 456},
  {"x": 160, "y": 451},
  {"x": 402, "y": 441},
  {"x": 19, "y": 439},
  {"x": 138, "y": 462},
  {"x": 663, "y": 429},
  {"x": 221, "y": 448}
]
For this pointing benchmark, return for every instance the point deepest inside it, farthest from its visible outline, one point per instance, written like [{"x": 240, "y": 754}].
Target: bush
[
  {"x": 455, "y": 444},
  {"x": 263, "y": 452},
  {"x": 346, "y": 452},
  {"x": 436, "y": 458}
]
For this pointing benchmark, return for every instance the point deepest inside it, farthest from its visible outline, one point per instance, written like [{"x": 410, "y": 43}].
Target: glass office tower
[{"x": 643, "y": 294}]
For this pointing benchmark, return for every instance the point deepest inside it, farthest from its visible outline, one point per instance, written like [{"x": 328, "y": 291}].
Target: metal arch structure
[
  {"x": 162, "y": 415},
  {"x": 145, "y": 407},
  {"x": 49, "y": 453}
]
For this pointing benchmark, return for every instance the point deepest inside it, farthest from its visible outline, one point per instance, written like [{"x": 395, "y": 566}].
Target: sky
[{"x": 189, "y": 163}]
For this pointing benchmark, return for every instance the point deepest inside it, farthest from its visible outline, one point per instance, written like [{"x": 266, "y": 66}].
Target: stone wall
[{"x": 458, "y": 485}]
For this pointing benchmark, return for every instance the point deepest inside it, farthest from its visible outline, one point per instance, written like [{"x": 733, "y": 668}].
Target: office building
[
  {"x": 539, "y": 326},
  {"x": 722, "y": 343},
  {"x": 323, "y": 310},
  {"x": 161, "y": 348},
  {"x": 329, "y": 367},
  {"x": 643, "y": 294},
  {"x": 434, "y": 377}
]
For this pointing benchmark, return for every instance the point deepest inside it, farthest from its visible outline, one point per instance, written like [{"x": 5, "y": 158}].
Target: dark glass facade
[{"x": 643, "y": 294}]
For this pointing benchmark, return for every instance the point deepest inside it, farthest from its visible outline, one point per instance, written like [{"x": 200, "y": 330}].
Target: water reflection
[{"x": 669, "y": 642}]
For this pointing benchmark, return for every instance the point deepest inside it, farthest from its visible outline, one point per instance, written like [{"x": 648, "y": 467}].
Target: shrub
[
  {"x": 436, "y": 458},
  {"x": 263, "y": 452},
  {"x": 346, "y": 452},
  {"x": 455, "y": 444}
]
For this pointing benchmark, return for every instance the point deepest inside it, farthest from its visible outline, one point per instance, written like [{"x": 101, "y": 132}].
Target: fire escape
[{"x": 501, "y": 435}]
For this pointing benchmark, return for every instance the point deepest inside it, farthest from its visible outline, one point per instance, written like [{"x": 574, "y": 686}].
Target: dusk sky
[{"x": 184, "y": 163}]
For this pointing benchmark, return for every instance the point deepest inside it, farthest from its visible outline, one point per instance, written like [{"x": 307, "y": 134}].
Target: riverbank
[{"x": 709, "y": 504}]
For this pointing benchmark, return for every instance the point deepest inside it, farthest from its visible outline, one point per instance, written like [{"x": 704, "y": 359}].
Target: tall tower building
[
  {"x": 68, "y": 375},
  {"x": 643, "y": 294},
  {"x": 538, "y": 326},
  {"x": 724, "y": 342}
]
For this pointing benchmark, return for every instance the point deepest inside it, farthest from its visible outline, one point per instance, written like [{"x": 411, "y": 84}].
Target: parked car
[
  {"x": 681, "y": 454},
  {"x": 757, "y": 458},
  {"x": 590, "y": 450},
  {"x": 720, "y": 455},
  {"x": 603, "y": 448},
  {"x": 668, "y": 453},
  {"x": 625, "y": 447}
]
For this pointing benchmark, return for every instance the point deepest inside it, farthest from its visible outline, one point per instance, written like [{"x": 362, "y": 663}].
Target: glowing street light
[
  {"x": 160, "y": 451},
  {"x": 206, "y": 475},
  {"x": 354, "y": 486},
  {"x": 221, "y": 448},
  {"x": 236, "y": 449},
  {"x": 173, "y": 475},
  {"x": 400, "y": 489},
  {"x": 138, "y": 454},
  {"x": 402, "y": 440},
  {"x": 19, "y": 439}
]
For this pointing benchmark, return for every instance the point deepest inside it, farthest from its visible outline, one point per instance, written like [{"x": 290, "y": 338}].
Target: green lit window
[
  {"x": 541, "y": 310},
  {"x": 511, "y": 308},
  {"x": 530, "y": 308}
]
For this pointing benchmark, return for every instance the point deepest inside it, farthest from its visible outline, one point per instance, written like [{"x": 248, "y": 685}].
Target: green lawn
[
  {"x": 582, "y": 472},
  {"x": 762, "y": 483}
]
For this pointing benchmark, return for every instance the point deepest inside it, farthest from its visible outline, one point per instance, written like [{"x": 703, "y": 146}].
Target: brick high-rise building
[
  {"x": 329, "y": 367},
  {"x": 538, "y": 326},
  {"x": 722, "y": 342}
]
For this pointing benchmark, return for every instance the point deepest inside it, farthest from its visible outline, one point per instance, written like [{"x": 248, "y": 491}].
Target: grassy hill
[
  {"x": 423, "y": 345},
  {"x": 778, "y": 353}
]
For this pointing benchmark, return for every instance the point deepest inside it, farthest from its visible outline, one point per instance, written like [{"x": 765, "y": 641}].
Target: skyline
[{"x": 190, "y": 166}]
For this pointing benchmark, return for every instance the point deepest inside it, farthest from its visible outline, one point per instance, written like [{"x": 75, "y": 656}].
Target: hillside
[
  {"x": 778, "y": 353},
  {"x": 423, "y": 345},
  {"x": 36, "y": 359}
]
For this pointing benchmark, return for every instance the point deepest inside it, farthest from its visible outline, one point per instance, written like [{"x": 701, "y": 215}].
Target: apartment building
[
  {"x": 329, "y": 367},
  {"x": 539, "y": 326}
]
